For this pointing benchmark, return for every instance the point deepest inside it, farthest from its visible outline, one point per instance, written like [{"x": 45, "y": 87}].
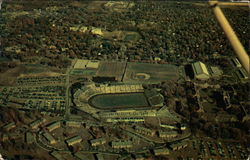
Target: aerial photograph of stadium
[{"x": 124, "y": 80}]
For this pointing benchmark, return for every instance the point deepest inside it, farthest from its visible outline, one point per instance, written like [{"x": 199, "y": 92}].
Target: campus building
[
  {"x": 49, "y": 138},
  {"x": 57, "y": 155},
  {"x": 145, "y": 131},
  {"x": 200, "y": 71},
  {"x": 161, "y": 151},
  {"x": 53, "y": 126},
  {"x": 34, "y": 125},
  {"x": 168, "y": 134},
  {"x": 74, "y": 140},
  {"x": 121, "y": 144},
  {"x": 29, "y": 138},
  {"x": 126, "y": 119},
  {"x": 73, "y": 124},
  {"x": 97, "y": 142},
  {"x": 179, "y": 145}
]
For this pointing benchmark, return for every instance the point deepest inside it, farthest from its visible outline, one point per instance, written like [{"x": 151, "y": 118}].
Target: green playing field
[{"x": 117, "y": 101}]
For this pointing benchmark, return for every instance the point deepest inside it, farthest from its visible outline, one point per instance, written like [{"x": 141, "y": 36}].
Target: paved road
[{"x": 67, "y": 98}]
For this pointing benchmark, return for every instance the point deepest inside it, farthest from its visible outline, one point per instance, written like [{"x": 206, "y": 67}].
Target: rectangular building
[
  {"x": 74, "y": 140},
  {"x": 73, "y": 124},
  {"x": 97, "y": 142},
  {"x": 168, "y": 134},
  {"x": 53, "y": 126},
  {"x": 129, "y": 113},
  {"x": 161, "y": 151},
  {"x": 236, "y": 62},
  {"x": 81, "y": 156},
  {"x": 242, "y": 74},
  {"x": 129, "y": 120},
  {"x": 144, "y": 131},
  {"x": 200, "y": 71},
  {"x": 29, "y": 138},
  {"x": 168, "y": 126},
  {"x": 57, "y": 155},
  {"x": 49, "y": 138},
  {"x": 37, "y": 123},
  {"x": 180, "y": 145},
  {"x": 99, "y": 156}
]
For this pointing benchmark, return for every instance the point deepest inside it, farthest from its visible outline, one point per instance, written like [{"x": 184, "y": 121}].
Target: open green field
[
  {"x": 153, "y": 72},
  {"x": 118, "y": 101}
]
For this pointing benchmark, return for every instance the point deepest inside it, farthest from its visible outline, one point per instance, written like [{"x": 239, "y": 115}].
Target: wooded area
[{"x": 172, "y": 31}]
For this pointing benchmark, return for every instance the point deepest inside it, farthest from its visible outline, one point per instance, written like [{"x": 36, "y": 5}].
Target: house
[{"x": 200, "y": 71}]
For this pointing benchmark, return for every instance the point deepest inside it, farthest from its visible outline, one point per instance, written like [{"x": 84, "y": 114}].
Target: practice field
[
  {"x": 111, "y": 69},
  {"x": 144, "y": 72},
  {"x": 119, "y": 101}
]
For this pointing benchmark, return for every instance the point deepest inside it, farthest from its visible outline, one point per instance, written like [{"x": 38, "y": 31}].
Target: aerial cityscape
[{"x": 124, "y": 80}]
